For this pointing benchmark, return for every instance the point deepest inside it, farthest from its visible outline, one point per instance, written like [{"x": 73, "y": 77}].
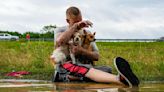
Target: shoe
[
  {"x": 55, "y": 76},
  {"x": 126, "y": 74}
]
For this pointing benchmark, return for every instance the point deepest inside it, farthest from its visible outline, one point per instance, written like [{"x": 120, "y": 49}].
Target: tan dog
[
  {"x": 88, "y": 38},
  {"x": 77, "y": 39}
]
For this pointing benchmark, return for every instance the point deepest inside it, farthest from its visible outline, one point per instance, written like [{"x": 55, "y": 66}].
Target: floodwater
[{"x": 12, "y": 85}]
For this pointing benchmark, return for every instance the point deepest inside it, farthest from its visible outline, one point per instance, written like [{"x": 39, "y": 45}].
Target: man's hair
[{"x": 73, "y": 11}]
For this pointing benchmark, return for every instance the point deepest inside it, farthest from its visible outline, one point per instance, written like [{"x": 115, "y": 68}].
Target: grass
[{"x": 146, "y": 59}]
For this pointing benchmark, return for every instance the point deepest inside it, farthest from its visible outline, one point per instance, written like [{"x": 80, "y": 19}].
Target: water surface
[{"x": 47, "y": 86}]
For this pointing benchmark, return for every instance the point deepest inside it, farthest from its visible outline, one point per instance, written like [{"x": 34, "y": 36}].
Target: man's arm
[
  {"x": 90, "y": 55},
  {"x": 64, "y": 37}
]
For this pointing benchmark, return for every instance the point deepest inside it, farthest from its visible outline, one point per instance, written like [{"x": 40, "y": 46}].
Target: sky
[{"x": 112, "y": 19}]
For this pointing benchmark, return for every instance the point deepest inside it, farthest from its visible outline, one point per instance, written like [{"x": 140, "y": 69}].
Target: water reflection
[
  {"x": 44, "y": 86},
  {"x": 93, "y": 87}
]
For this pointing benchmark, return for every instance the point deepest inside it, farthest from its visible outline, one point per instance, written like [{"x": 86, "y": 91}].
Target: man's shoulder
[{"x": 60, "y": 29}]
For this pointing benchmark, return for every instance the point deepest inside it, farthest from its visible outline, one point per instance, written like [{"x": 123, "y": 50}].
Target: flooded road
[{"x": 46, "y": 86}]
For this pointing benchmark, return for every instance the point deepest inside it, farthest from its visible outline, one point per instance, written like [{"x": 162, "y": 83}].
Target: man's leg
[
  {"x": 91, "y": 73},
  {"x": 100, "y": 76},
  {"x": 107, "y": 69},
  {"x": 125, "y": 74}
]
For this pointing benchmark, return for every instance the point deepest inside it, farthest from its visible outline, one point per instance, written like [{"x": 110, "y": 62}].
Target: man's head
[{"x": 73, "y": 15}]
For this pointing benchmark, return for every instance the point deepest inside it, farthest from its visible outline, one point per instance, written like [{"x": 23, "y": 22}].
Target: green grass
[{"x": 146, "y": 59}]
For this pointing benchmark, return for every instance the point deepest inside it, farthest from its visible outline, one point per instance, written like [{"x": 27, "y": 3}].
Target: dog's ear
[
  {"x": 94, "y": 33},
  {"x": 85, "y": 32},
  {"x": 67, "y": 21}
]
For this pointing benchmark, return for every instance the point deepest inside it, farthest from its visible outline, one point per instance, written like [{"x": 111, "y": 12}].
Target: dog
[
  {"x": 60, "y": 54},
  {"x": 88, "y": 38},
  {"x": 77, "y": 39}
]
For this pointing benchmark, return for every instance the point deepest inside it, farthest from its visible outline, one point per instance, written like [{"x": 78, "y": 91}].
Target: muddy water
[{"x": 46, "y": 86}]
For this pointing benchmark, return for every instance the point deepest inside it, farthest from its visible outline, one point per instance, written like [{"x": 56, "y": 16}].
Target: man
[{"x": 69, "y": 71}]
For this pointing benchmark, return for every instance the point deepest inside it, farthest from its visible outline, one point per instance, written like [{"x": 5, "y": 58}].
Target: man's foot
[{"x": 126, "y": 74}]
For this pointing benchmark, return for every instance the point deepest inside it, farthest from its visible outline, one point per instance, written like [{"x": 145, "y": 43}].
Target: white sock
[{"x": 118, "y": 77}]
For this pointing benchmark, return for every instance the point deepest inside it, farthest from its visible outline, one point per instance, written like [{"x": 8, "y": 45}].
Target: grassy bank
[{"x": 146, "y": 59}]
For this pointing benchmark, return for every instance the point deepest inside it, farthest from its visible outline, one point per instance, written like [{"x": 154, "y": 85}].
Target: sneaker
[
  {"x": 55, "y": 76},
  {"x": 126, "y": 74}
]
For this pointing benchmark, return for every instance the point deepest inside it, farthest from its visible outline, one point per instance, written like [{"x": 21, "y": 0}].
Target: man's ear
[
  {"x": 94, "y": 33},
  {"x": 67, "y": 21}
]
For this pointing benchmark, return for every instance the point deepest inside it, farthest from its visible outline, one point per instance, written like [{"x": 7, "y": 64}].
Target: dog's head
[
  {"x": 89, "y": 36},
  {"x": 77, "y": 38}
]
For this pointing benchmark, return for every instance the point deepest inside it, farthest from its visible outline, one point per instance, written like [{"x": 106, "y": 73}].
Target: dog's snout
[{"x": 77, "y": 39}]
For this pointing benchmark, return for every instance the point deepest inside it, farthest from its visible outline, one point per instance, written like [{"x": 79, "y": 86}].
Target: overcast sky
[{"x": 113, "y": 19}]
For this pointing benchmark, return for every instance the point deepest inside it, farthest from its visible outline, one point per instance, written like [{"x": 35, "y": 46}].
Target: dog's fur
[
  {"x": 89, "y": 37},
  {"x": 60, "y": 54},
  {"x": 81, "y": 38},
  {"x": 77, "y": 39}
]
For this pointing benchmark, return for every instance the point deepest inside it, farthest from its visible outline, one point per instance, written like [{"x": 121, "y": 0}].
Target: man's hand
[
  {"x": 76, "y": 50},
  {"x": 83, "y": 24}
]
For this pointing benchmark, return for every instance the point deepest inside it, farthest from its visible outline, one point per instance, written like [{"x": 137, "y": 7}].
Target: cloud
[{"x": 111, "y": 18}]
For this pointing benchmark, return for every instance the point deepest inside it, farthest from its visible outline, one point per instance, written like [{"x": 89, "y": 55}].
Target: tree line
[{"x": 45, "y": 32}]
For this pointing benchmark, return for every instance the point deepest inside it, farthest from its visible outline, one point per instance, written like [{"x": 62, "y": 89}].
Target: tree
[
  {"x": 32, "y": 34},
  {"x": 162, "y": 38},
  {"x": 48, "y": 31},
  {"x": 48, "y": 28},
  {"x": 12, "y": 33}
]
